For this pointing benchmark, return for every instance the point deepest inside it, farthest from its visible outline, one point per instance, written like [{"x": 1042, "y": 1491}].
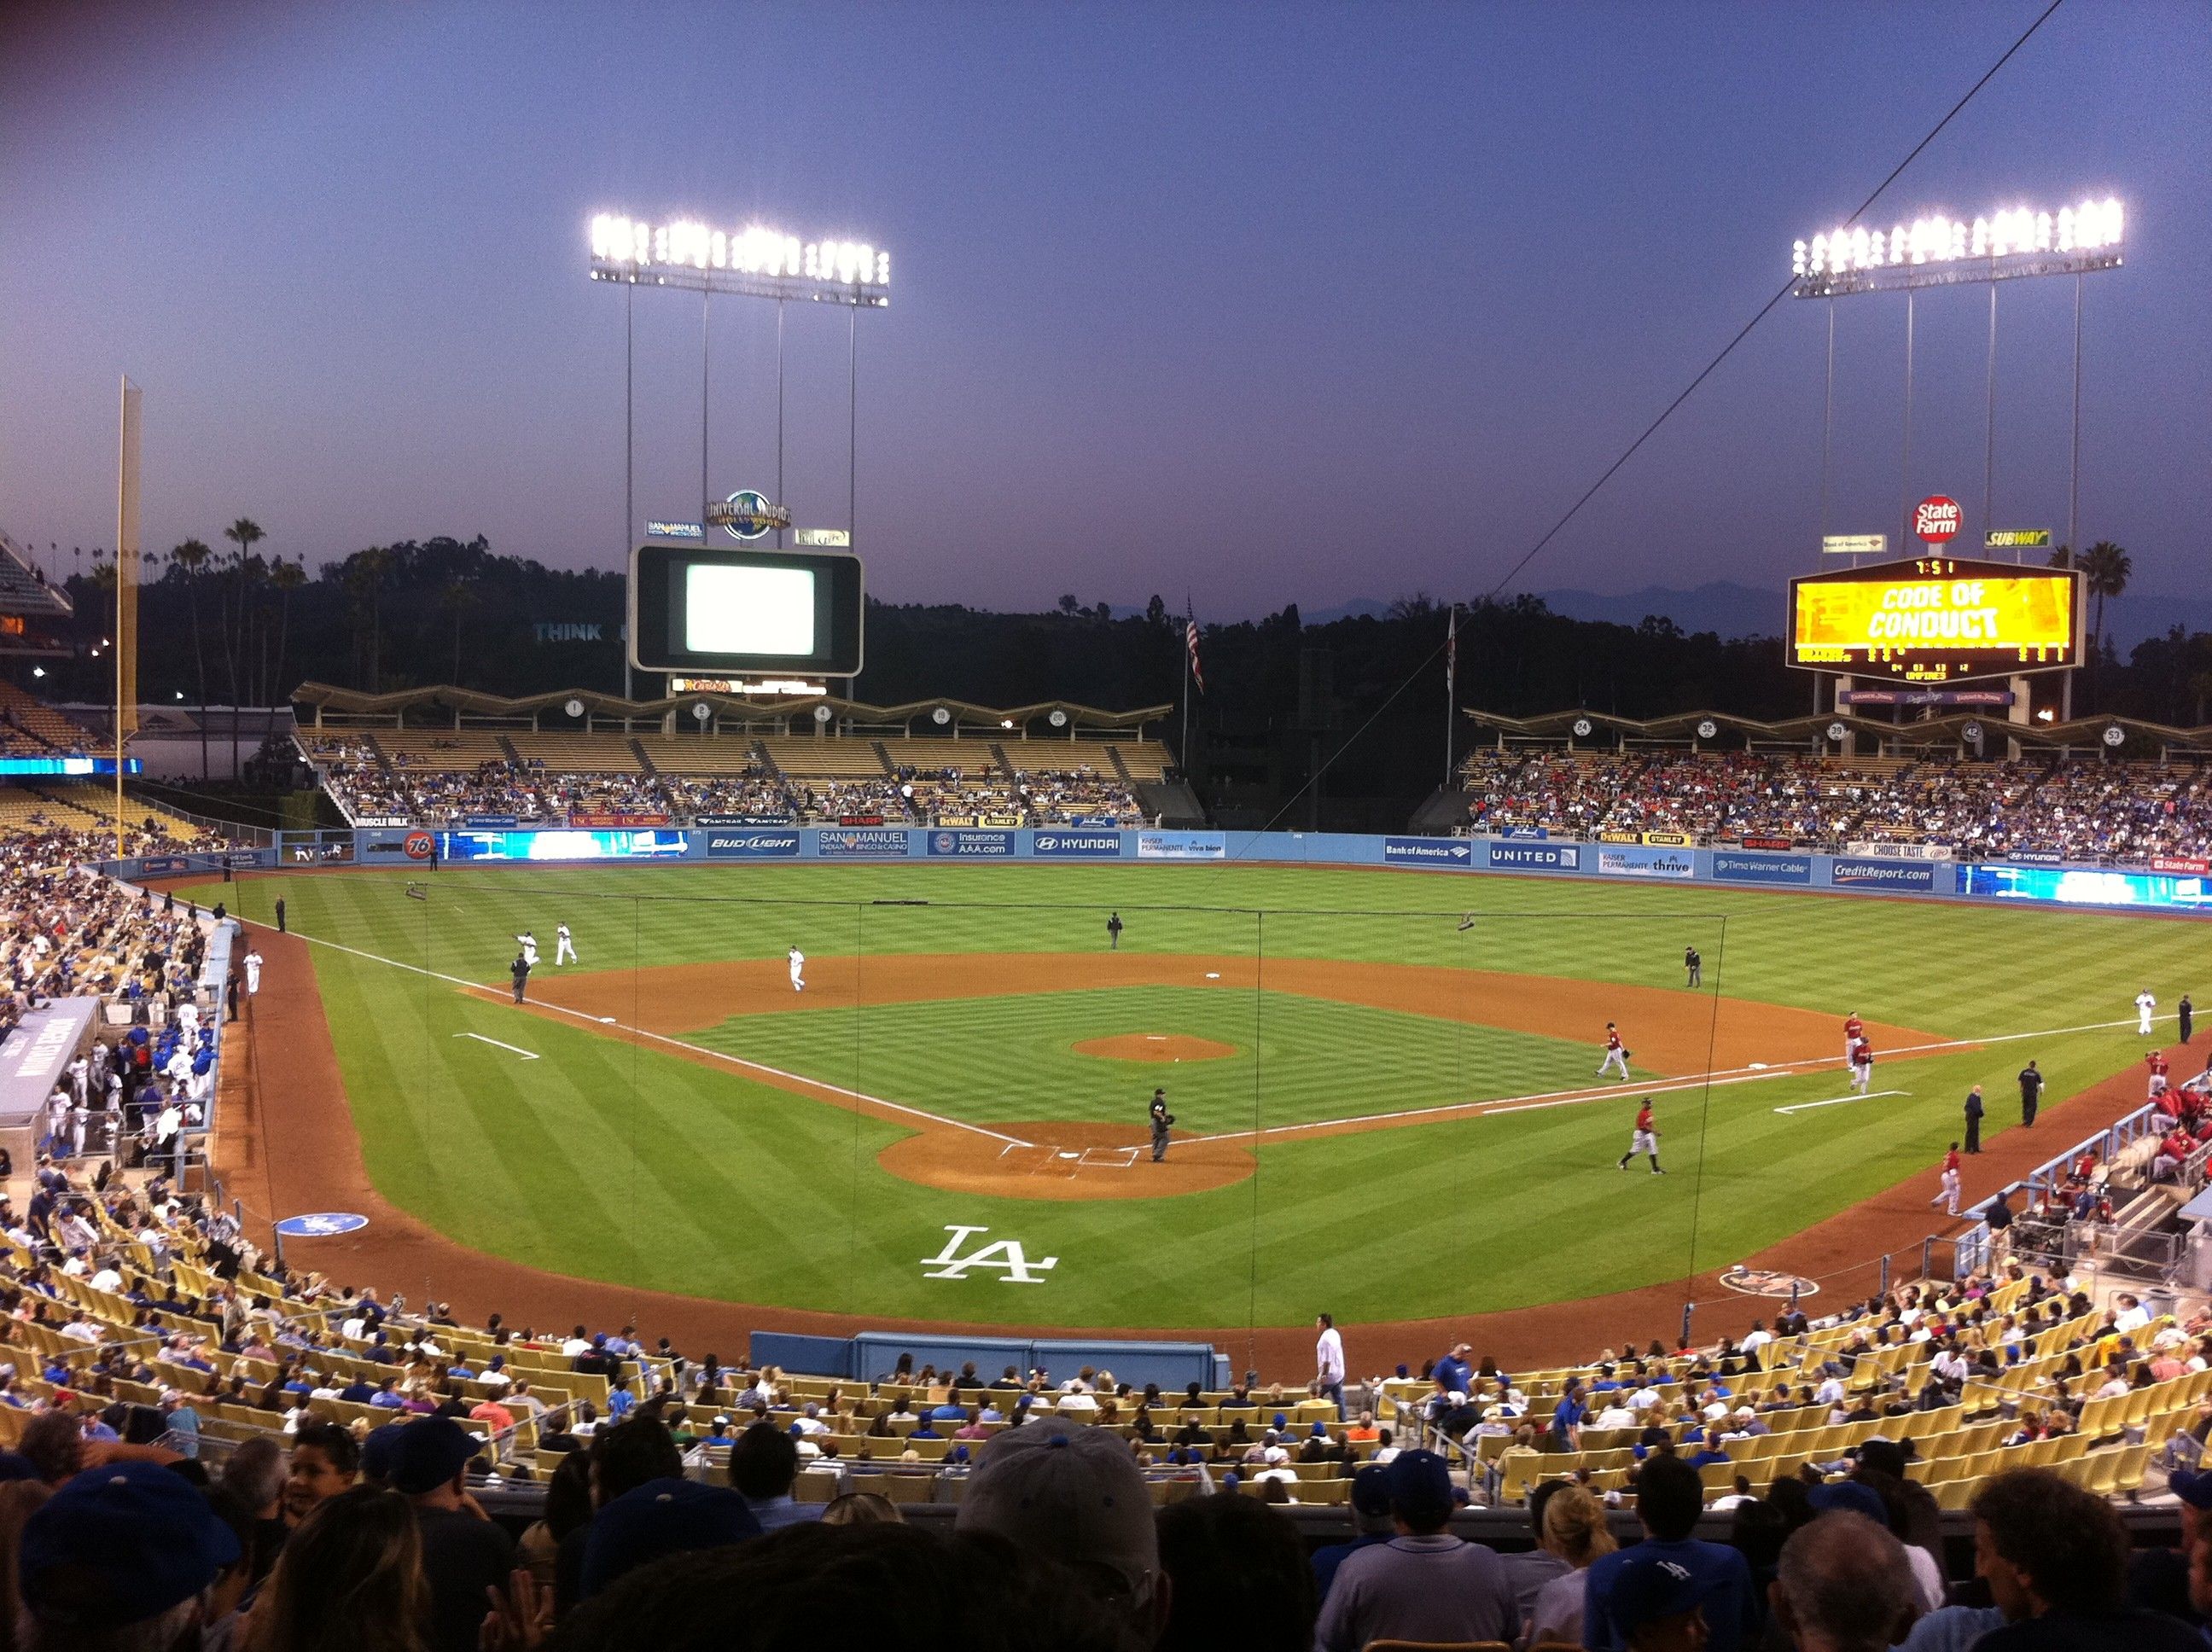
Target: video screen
[
  {"x": 559, "y": 845},
  {"x": 2075, "y": 887},
  {"x": 748, "y": 610}
]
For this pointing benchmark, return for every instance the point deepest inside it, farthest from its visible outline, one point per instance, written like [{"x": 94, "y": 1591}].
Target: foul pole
[{"x": 126, "y": 595}]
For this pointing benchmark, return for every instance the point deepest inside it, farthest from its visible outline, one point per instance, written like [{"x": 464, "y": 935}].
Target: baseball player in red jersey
[
  {"x": 1949, "y": 1198},
  {"x": 1861, "y": 1064},
  {"x": 1854, "y": 1028},
  {"x": 1645, "y": 1140},
  {"x": 2159, "y": 1067},
  {"x": 1616, "y": 1055}
]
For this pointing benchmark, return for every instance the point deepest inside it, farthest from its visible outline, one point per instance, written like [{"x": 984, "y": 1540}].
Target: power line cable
[{"x": 1652, "y": 428}]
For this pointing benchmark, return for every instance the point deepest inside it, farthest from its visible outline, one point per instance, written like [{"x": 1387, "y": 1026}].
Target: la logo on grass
[{"x": 1005, "y": 1255}]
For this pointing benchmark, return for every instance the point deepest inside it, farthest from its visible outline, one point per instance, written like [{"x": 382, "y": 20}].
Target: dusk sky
[{"x": 1263, "y": 303}]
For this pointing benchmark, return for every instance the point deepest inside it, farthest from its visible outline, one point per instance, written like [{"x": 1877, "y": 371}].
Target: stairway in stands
[
  {"x": 644, "y": 757},
  {"x": 766, "y": 759},
  {"x": 507, "y": 750},
  {"x": 884, "y": 756}
]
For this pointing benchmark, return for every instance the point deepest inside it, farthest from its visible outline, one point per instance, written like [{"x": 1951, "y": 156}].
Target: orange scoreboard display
[{"x": 1937, "y": 619}]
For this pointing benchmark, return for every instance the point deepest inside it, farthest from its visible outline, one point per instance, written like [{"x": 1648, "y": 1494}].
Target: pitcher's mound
[
  {"x": 1065, "y": 1160},
  {"x": 1155, "y": 1046}
]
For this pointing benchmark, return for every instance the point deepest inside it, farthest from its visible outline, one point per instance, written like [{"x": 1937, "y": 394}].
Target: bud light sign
[
  {"x": 751, "y": 846},
  {"x": 1077, "y": 846},
  {"x": 1937, "y": 519},
  {"x": 984, "y": 845}
]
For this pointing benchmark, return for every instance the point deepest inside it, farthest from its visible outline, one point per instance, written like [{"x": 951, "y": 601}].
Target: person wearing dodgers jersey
[{"x": 797, "y": 960}]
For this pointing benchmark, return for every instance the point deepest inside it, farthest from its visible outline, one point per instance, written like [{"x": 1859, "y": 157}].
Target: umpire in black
[{"x": 1161, "y": 1120}]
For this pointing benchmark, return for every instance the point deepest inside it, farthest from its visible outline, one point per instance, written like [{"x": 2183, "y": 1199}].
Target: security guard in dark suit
[{"x": 1161, "y": 1120}]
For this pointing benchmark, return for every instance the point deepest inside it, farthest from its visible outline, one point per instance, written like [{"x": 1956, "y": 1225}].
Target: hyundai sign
[{"x": 1077, "y": 846}]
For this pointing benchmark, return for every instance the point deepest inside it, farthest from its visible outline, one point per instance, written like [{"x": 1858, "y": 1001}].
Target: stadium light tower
[
  {"x": 688, "y": 255},
  {"x": 1943, "y": 252}
]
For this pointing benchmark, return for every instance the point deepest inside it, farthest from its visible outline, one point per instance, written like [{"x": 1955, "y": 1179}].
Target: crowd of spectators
[
  {"x": 533, "y": 792},
  {"x": 66, "y": 931},
  {"x": 136, "y": 1317},
  {"x": 2080, "y": 810}
]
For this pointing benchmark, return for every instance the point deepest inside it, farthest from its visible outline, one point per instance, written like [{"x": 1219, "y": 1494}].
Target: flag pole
[
  {"x": 1183, "y": 754},
  {"x": 1451, "y": 673}
]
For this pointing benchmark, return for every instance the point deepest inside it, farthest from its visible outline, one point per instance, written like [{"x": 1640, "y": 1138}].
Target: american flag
[{"x": 1190, "y": 645}]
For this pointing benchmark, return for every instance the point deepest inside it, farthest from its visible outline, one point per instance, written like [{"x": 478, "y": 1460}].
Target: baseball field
[{"x": 1383, "y": 1083}]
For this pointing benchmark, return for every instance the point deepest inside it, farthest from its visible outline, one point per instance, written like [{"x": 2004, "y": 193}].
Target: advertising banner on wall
[
  {"x": 1535, "y": 857},
  {"x": 1427, "y": 851},
  {"x": 1847, "y": 874},
  {"x": 1060, "y": 844},
  {"x": 2082, "y": 887},
  {"x": 985, "y": 845},
  {"x": 862, "y": 843},
  {"x": 1675, "y": 840},
  {"x": 1735, "y": 868},
  {"x": 752, "y": 845},
  {"x": 743, "y": 820},
  {"x": 1882, "y": 848},
  {"x": 1770, "y": 843},
  {"x": 558, "y": 844},
  {"x": 1647, "y": 863},
  {"x": 1181, "y": 845},
  {"x": 609, "y": 817},
  {"x": 1539, "y": 833}
]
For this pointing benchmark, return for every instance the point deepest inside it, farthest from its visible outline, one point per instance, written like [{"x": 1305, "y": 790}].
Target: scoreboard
[{"x": 1937, "y": 619}]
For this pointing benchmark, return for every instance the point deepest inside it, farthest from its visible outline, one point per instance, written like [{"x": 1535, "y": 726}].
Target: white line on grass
[
  {"x": 1719, "y": 1077},
  {"x": 527, "y": 1055},
  {"x": 1838, "y": 1101},
  {"x": 681, "y": 1044}
]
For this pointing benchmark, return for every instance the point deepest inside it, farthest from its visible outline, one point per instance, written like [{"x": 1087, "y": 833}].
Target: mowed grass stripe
[
  {"x": 748, "y": 1193},
  {"x": 1298, "y": 1060}
]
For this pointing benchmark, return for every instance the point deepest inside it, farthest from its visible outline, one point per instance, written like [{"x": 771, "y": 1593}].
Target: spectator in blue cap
[
  {"x": 464, "y": 1553},
  {"x": 117, "y": 1557},
  {"x": 659, "y": 1519},
  {"x": 1669, "y": 1497},
  {"x": 1371, "y": 1522},
  {"x": 1424, "y": 1584},
  {"x": 1658, "y": 1605}
]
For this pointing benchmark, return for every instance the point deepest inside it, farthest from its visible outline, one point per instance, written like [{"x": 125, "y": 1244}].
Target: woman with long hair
[
  {"x": 1575, "y": 1530},
  {"x": 350, "y": 1580}
]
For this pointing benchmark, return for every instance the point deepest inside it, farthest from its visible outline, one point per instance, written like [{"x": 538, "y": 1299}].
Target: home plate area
[{"x": 1034, "y": 1159}]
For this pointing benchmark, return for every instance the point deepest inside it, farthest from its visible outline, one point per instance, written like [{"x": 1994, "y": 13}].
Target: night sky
[{"x": 1263, "y": 303}]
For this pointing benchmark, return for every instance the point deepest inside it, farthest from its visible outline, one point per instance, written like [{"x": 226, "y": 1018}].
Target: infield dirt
[{"x": 286, "y": 1144}]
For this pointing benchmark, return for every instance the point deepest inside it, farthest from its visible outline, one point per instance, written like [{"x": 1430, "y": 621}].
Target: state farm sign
[{"x": 1937, "y": 519}]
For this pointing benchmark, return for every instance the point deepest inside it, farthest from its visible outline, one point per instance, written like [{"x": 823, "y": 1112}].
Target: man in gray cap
[{"x": 1071, "y": 1494}]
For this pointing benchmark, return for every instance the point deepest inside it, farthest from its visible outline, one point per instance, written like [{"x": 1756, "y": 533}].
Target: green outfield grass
[{"x": 637, "y": 1165}]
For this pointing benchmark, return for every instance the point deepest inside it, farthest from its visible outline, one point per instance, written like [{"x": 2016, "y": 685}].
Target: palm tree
[
  {"x": 191, "y": 557},
  {"x": 457, "y": 598},
  {"x": 285, "y": 578},
  {"x": 365, "y": 576},
  {"x": 2105, "y": 568},
  {"x": 245, "y": 533}
]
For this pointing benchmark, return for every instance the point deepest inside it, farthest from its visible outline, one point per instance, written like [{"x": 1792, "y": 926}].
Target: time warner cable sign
[{"x": 1428, "y": 851}]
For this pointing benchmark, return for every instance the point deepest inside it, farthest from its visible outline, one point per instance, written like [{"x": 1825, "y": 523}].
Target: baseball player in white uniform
[
  {"x": 564, "y": 950},
  {"x": 528, "y": 943},
  {"x": 2144, "y": 1004},
  {"x": 798, "y": 970},
  {"x": 1615, "y": 1054},
  {"x": 252, "y": 972},
  {"x": 1948, "y": 1196}
]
